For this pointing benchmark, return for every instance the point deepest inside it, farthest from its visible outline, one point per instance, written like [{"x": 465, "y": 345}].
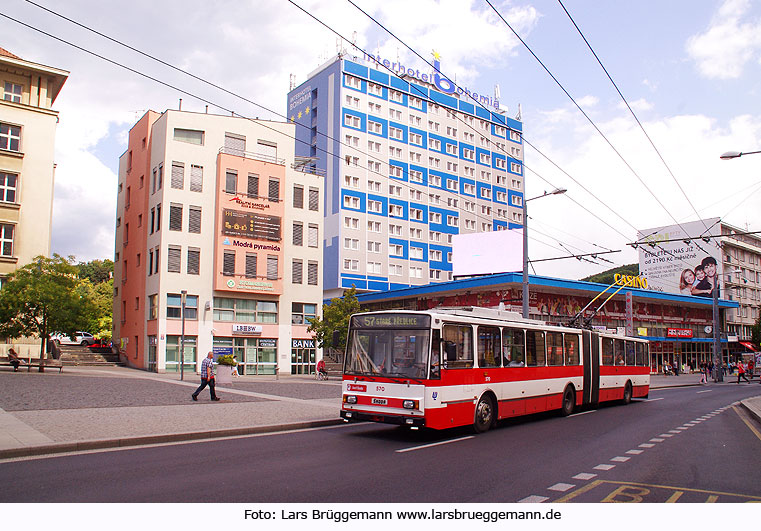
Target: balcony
[{"x": 263, "y": 157}]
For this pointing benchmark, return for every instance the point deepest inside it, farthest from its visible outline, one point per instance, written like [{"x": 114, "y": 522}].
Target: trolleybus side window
[
  {"x": 489, "y": 347},
  {"x": 554, "y": 348},
  {"x": 630, "y": 353},
  {"x": 513, "y": 347},
  {"x": 535, "y": 356},
  {"x": 618, "y": 350},
  {"x": 571, "y": 349},
  {"x": 607, "y": 351},
  {"x": 436, "y": 355},
  {"x": 458, "y": 346},
  {"x": 641, "y": 355}
]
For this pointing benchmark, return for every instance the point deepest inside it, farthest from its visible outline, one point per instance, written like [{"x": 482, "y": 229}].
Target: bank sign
[{"x": 443, "y": 83}]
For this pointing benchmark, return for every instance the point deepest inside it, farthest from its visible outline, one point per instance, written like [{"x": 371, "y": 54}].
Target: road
[{"x": 680, "y": 445}]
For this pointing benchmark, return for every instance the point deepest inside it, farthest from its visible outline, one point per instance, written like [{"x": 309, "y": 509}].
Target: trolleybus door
[{"x": 591, "y": 355}]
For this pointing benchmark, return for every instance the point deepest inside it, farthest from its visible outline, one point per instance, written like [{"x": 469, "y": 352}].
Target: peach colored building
[{"x": 216, "y": 211}]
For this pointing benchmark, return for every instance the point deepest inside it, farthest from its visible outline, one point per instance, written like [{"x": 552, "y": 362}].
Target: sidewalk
[{"x": 87, "y": 408}]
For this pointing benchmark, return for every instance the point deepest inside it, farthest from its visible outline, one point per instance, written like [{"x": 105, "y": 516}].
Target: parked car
[{"x": 81, "y": 338}]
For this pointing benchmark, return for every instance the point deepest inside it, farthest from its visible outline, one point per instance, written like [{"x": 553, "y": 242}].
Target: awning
[{"x": 749, "y": 345}]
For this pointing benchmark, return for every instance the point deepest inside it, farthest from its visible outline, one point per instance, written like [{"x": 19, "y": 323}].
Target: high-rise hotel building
[
  {"x": 410, "y": 160},
  {"x": 216, "y": 213}
]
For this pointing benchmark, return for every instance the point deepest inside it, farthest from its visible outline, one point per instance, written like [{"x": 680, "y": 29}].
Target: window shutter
[
  {"x": 314, "y": 199},
  {"x": 178, "y": 175},
  {"x": 228, "y": 263},
  {"x": 298, "y": 233},
  {"x": 298, "y": 197},
  {"x": 175, "y": 217},
  {"x": 235, "y": 144},
  {"x": 194, "y": 261},
  {"x": 274, "y": 189},
  {"x": 194, "y": 220},
  {"x": 231, "y": 182},
  {"x": 312, "y": 273},
  {"x": 271, "y": 267},
  {"x": 253, "y": 185},
  {"x": 298, "y": 271},
  {"x": 196, "y": 178},
  {"x": 313, "y": 235},
  {"x": 174, "y": 259},
  {"x": 250, "y": 265}
]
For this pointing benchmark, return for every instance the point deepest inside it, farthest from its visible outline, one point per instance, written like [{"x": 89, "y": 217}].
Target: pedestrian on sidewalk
[
  {"x": 234, "y": 371},
  {"x": 741, "y": 372},
  {"x": 207, "y": 377},
  {"x": 14, "y": 359},
  {"x": 703, "y": 373}
]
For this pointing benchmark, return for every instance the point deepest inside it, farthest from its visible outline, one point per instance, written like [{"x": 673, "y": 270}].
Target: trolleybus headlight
[
  {"x": 350, "y": 399},
  {"x": 410, "y": 404}
]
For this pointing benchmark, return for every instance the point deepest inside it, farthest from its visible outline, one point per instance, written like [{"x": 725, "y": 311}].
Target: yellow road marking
[{"x": 630, "y": 489}]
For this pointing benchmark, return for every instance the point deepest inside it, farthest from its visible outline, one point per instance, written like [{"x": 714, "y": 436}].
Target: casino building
[
  {"x": 677, "y": 326},
  {"x": 214, "y": 212},
  {"x": 410, "y": 160}
]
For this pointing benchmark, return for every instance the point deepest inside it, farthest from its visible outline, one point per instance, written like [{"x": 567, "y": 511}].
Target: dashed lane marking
[
  {"x": 534, "y": 499},
  {"x": 413, "y": 448},
  {"x": 582, "y": 413},
  {"x": 652, "y": 399},
  {"x": 647, "y": 445},
  {"x": 620, "y": 459},
  {"x": 656, "y": 439},
  {"x": 584, "y": 476},
  {"x": 706, "y": 391},
  {"x": 667, "y": 435},
  {"x": 604, "y": 467},
  {"x": 561, "y": 487},
  {"x": 634, "y": 452}
]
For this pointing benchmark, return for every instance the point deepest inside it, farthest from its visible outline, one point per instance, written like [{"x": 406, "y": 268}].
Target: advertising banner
[
  {"x": 250, "y": 225},
  {"x": 676, "y": 258}
]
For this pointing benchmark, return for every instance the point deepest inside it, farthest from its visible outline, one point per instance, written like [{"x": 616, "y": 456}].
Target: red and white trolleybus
[{"x": 454, "y": 367}]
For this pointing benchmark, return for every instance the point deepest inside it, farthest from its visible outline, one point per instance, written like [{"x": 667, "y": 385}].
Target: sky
[{"x": 689, "y": 69}]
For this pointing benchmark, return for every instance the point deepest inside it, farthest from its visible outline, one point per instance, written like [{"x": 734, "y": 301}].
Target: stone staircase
[
  {"x": 72, "y": 355},
  {"x": 333, "y": 362}
]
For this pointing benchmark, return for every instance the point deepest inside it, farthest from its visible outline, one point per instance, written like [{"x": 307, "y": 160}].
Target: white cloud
[
  {"x": 587, "y": 101},
  {"x": 729, "y": 43},
  {"x": 637, "y": 106}
]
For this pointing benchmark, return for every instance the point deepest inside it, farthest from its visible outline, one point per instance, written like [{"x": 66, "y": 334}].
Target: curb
[
  {"x": 126, "y": 442},
  {"x": 753, "y": 412}
]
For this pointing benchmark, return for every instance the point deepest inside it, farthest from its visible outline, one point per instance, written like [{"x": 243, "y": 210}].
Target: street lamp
[
  {"x": 717, "y": 375},
  {"x": 556, "y": 191}
]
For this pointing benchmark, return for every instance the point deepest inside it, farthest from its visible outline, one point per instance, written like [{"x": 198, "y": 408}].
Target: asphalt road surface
[{"x": 681, "y": 445}]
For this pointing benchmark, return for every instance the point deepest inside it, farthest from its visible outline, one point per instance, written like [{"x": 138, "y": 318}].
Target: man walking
[
  {"x": 207, "y": 377},
  {"x": 741, "y": 372}
]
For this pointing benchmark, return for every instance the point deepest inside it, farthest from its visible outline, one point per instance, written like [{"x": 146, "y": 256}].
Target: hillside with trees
[{"x": 606, "y": 277}]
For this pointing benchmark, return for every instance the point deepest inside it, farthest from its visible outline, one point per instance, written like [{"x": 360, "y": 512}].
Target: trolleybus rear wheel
[{"x": 484, "y": 414}]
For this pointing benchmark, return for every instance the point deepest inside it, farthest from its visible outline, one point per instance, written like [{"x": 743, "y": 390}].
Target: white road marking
[
  {"x": 604, "y": 467},
  {"x": 706, "y": 391},
  {"x": 561, "y": 487},
  {"x": 413, "y": 448},
  {"x": 666, "y": 435},
  {"x": 675, "y": 432},
  {"x": 656, "y": 439},
  {"x": 534, "y": 499},
  {"x": 620, "y": 459},
  {"x": 585, "y": 476},
  {"x": 634, "y": 452},
  {"x": 652, "y": 399},
  {"x": 582, "y": 413},
  {"x": 649, "y": 445}
]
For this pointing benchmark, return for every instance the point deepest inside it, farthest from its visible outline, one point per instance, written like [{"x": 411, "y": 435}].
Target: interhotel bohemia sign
[{"x": 250, "y": 225}]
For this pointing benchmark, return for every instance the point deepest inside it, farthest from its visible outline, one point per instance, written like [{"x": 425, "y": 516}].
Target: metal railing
[{"x": 251, "y": 155}]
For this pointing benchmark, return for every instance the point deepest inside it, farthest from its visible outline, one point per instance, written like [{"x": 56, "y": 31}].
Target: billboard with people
[{"x": 683, "y": 259}]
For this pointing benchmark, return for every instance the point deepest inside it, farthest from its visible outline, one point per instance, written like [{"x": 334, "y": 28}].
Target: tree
[
  {"x": 755, "y": 331},
  {"x": 99, "y": 313},
  {"x": 606, "y": 277},
  {"x": 335, "y": 318},
  {"x": 97, "y": 271},
  {"x": 40, "y": 299}
]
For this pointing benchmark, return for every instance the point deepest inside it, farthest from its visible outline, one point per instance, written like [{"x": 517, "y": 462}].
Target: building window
[
  {"x": 174, "y": 306},
  {"x": 252, "y": 190},
  {"x": 178, "y": 175},
  {"x": 189, "y": 136},
  {"x": 272, "y": 267},
  {"x": 314, "y": 199},
  {"x": 244, "y": 310},
  {"x": 351, "y": 265},
  {"x": 228, "y": 263},
  {"x": 274, "y": 190},
  {"x": 298, "y": 196},
  {"x": 312, "y": 268},
  {"x": 10, "y": 137},
  {"x": 194, "y": 261},
  {"x": 8, "y": 184},
  {"x": 313, "y": 235},
  {"x": 152, "y": 307},
  {"x": 174, "y": 259},
  {"x": 297, "y": 271},
  {"x": 175, "y": 217},
  {"x": 196, "y": 178},
  {"x": 250, "y": 265},
  {"x": 12, "y": 92},
  {"x": 301, "y": 312},
  {"x": 231, "y": 181},
  {"x": 6, "y": 239}
]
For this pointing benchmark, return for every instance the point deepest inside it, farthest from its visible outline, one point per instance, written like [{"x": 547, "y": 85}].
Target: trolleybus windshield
[{"x": 393, "y": 345}]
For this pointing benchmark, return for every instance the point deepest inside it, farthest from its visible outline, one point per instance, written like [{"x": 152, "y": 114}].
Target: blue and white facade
[{"x": 409, "y": 162}]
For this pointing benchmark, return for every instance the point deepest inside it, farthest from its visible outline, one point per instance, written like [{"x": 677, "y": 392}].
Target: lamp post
[
  {"x": 182, "y": 338},
  {"x": 556, "y": 191},
  {"x": 718, "y": 377}
]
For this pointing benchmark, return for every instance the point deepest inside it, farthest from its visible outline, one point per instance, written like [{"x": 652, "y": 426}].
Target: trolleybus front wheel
[{"x": 569, "y": 401}]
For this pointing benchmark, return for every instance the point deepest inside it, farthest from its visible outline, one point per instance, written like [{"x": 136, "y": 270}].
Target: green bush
[{"x": 227, "y": 359}]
